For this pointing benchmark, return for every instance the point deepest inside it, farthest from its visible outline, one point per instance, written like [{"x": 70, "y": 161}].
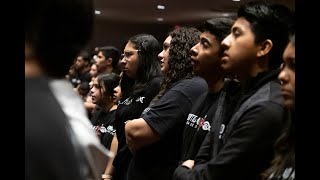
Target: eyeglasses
[
  {"x": 290, "y": 65},
  {"x": 127, "y": 54}
]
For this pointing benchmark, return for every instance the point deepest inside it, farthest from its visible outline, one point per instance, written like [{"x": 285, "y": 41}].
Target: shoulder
[
  {"x": 156, "y": 80},
  {"x": 270, "y": 93},
  {"x": 193, "y": 83}
]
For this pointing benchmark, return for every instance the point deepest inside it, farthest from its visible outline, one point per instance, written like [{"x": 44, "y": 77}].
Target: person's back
[
  {"x": 51, "y": 45},
  {"x": 46, "y": 126}
]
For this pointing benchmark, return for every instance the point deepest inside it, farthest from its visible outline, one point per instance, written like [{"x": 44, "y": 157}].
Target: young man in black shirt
[{"x": 206, "y": 60}]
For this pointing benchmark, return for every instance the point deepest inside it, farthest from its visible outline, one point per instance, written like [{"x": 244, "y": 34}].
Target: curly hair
[{"x": 180, "y": 67}]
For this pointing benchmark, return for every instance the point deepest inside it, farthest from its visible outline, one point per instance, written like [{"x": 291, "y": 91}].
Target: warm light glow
[
  {"x": 160, "y": 19},
  {"x": 161, "y": 7},
  {"x": 97, "y": 12}
]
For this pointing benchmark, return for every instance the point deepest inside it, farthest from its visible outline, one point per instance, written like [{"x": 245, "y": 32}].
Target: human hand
[{"x": 188, "y": 163}]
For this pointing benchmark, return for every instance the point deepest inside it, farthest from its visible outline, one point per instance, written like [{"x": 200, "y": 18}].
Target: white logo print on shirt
[
  {"x": 140, "y": 99},
  {"x": 198, "y": 122},
  {"x": 128, "y": 101}
]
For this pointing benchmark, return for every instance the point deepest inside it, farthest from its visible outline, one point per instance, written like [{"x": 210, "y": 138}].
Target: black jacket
[{"x": 243, "y": 145}]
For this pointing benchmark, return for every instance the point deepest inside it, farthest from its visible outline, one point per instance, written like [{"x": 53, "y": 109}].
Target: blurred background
[{"x": 118, "y": 20}]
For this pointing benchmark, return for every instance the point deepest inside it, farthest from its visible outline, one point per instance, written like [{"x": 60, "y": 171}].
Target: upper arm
[
  {"x": 139, "y": 134},
  {"x": 172, "y": 109}
]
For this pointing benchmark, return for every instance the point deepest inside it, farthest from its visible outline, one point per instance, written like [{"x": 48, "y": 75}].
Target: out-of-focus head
[
  {"x": 83, "y": 60},
  {"x": 107, "y": 56},
  {"x": 93, "y": 70},
  {"x": 102, "y": 90},
  {"x": 56, "y": 31}
]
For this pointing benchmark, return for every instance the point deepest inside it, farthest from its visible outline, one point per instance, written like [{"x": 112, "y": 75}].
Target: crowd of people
[{"x": 215, "y": 102}]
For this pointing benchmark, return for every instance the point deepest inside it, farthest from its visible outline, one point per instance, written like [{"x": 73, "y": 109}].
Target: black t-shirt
[
  {"x": 103, "y": 124},
  {"x": 128, "y": 109},
  {"x": 50, "y": 151},
  {"x": 168, "y": 118},
  {"x": 207, "y": 111},
  {"x": 198, "y": 124}
]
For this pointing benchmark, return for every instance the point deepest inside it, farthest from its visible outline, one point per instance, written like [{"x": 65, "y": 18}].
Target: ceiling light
[
  {"x": 236, "y": 0},
  {"x": 161, "y": 7},
  {"x": 97, "y": 12},
  {"x": 160, "y": 19}
]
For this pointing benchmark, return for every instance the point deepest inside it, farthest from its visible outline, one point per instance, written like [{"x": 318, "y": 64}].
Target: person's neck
[
  {"x": 254, "y": 72},
  {"x": 215, "y": 85},
  {"x": 85, "y": 69},
  {"x": 108, "y": 106},
  {"x": 32, "y": 69},
  {"x": 108, "y": 69}
]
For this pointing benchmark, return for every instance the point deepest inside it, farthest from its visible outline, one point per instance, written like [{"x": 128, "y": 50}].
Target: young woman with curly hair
[{"x": 155, "y": 138}]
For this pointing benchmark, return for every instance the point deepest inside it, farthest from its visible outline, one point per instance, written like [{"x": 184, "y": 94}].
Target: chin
[
  {"x": 289, "y": 103},
  {"x": 225, "y": 67}
]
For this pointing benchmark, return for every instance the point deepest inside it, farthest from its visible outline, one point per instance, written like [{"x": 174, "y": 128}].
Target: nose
[
  {"x": 194, "y": 50},
  {"x": 123, "y": 61},
  {"x": 160, "y": 55},
  {"x": 225, "y": 43},
  {"x": 283, "y": 77}
]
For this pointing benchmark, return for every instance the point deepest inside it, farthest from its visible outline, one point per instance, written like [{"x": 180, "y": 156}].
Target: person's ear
[
  {"x": 109, "y": 61},
  {"x": 265, "y": 48}
]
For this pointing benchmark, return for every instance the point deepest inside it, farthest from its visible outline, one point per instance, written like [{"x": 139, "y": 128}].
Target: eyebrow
[
  {"x": 204, "y": 39},
  {"x": 235, "y": 28},
  {"x": 165, "y": 44}
]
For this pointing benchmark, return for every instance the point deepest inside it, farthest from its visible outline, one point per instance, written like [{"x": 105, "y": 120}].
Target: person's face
[
  {"x": 101, "y": 62},
  {"x": 206, "y": 57},
  {"x": 240, "y": 50},
  {"x": 287, "y": 76},
  {"x": 130, "y": 60},
  {"x": 116, "y": 94},
  {"x": 72, "y": 71},
  {"x": 96, "y": 92},
  {"x": 80, "y": 63},
  {"x": 164, "y": 55},
  {"x": 93, "y": 70}
]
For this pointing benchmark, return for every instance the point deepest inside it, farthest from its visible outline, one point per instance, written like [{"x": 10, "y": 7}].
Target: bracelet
[{"x": 106, "y": 176}]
